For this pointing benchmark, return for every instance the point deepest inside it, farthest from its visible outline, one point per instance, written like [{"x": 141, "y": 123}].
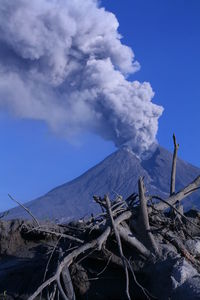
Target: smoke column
[{"x": 63, "y": 62}]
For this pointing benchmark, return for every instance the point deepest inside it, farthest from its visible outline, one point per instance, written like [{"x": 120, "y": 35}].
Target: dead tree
[
  {"x": 173, "y": 171},
  {"x": 143, "y": 224},
  {"x": 179, "y": 196}
]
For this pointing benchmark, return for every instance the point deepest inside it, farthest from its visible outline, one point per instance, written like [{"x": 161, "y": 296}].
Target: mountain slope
[{"x": 118, "y": 173}]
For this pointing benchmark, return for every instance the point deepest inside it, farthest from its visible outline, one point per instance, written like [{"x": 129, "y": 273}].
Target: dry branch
[
  {"x": 178, "y": 211},
  {"x": 137, "y": 234},
  {"x": 58, "y": 234},
  {"x": 67, "y": 281},
  {"x": 188, "y": 190},
  {"x": 129, "y": 238},
  {"x": 114, "y": 259},
  {"x": 119, "y": 245},
  {"x": 96, "y": 243},
  {"x": 180, "y": 247},
  {"x": 173, "y": 172},
  {"x": 144, "y": 226},
  {"x": 25, "y": 208}
]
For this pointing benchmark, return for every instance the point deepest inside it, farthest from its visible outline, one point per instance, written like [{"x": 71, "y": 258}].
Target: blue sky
[{"x": 165, "y": 37}]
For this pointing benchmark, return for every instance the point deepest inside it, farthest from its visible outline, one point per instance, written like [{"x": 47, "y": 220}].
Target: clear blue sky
[{"x": 165, "y": 37}]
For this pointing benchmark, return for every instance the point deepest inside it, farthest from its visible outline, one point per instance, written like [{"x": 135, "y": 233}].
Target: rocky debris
[
  {"x": 30, "y": 255},
  {"x": 182, "y": 271},
  {"x": 189, "y": 290},
  {"x": 193, "y": 246},
  {"x": 11, "y": 240}
]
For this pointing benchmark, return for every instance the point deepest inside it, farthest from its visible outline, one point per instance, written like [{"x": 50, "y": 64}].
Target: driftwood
[
  {"x": 97, "y": 244},
  {"x": 127, "y": 234},
  {"x": 51, "y": 232},
  {"x": 179, "y": 196},
  {"x": 130, "y": 239},
  {"x": 144, "y": 226},
  {"x": 144, "y": 244},
  {"x": 108, "y": 204}
]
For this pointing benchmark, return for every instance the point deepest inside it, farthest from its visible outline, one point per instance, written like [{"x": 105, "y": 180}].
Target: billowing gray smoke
[{"x": 62, "y": 61}]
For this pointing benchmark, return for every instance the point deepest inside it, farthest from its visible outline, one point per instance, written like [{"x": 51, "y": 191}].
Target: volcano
[{"x": 116, "y": 174}]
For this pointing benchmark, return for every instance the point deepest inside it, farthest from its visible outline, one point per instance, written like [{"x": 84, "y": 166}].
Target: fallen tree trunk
[
  {"x": 132, "y": 241},
  {"x": 185, "y": 192},
  {"x": 143, "y": 222}
]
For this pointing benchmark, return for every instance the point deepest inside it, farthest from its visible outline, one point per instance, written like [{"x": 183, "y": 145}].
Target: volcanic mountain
[{"x": 117, "y": 174}]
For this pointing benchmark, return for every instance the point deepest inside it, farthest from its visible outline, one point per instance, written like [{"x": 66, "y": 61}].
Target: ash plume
[{"x": 63, "y": 62}]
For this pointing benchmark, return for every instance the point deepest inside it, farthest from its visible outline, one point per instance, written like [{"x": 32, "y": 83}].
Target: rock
[
  {"x": 80, "y": 279},
  {"x": 181, "y": 272},
  {"x": 189, "y": 290},
  {"x": 158, "y": 280},
  {"x": 11, "y": 241},
  {"x": 193, "y": 246},
  {"x": 168, "y": 249}
]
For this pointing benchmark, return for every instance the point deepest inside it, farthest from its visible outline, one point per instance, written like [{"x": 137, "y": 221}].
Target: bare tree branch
[
  {"x": 63, "y": 235},
  {"x": 188, "y": 190},
  {"x": 119, "y": 244},
  {"x": 128, "y": 237},
  {"x": 173, "y": 171},
  {"x": 176, "y": 210},
  {"x": 25, "y": 208},
  {"x": 96, "y": 243},
  {"x": 67, "y": 281},
  {"x": 145, "y": 230}
]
